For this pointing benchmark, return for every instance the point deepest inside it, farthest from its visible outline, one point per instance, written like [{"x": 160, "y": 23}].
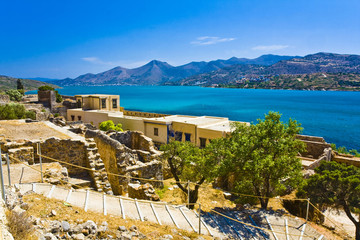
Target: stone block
[{"x": 24, "y": 154}]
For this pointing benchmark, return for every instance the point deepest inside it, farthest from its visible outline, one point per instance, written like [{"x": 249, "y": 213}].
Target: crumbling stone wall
[
  {"x": 315, "y": 146},
  {"x": 76, "y": 152},
  {"x": 4, "y": 98},
  {"x": 120, "y": 159},
  {"x": 67, "y": 150},
  {"x": 47, "y": 98}
]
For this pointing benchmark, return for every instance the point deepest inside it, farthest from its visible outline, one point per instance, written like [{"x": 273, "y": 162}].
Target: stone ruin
[
  {"x": 77, "y": 152},
  {"x": 317, "y": 150},
  {"x": 130, "y": 154}
]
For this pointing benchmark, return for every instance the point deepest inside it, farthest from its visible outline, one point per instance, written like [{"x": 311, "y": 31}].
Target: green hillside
[{"x": 7, "y": 83}]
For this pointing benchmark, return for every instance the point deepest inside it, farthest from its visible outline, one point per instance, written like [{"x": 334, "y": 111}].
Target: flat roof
[
  {"x": 196, "y": 120},
  {"x": 221, "y": 126},
  {"x": 96, "y": 95}
]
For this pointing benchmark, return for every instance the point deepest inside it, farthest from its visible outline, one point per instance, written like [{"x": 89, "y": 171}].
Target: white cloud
[
  {"x": 206, "y": 40},
  {"x": 96, "y": 60},
  {"x": 270, "y": 47}
]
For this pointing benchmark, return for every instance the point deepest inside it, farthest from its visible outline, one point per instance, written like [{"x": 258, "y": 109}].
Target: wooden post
[
  {"x": 199, "y": 218},
  {"x": 188, "y": 183},
  {"x": 39, "y": 153},
  {"x": 8, "y": 168},
  {"x": 307, "y": 209},
  {"x": 2, "y": 179}
]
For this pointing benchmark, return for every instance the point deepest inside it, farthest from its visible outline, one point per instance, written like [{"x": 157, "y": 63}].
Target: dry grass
[
  {"x": 208, "y": 197},
  {"x": 18, "y": 130},
  {"x": 20, "y": 226},
  {"x": 75, "y": 215}
]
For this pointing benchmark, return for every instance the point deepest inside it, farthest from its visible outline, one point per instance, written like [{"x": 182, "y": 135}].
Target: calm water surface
[{"x": 332, "y": 115}]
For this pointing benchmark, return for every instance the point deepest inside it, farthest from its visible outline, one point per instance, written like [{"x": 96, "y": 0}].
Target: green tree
[
  {"x": 14, "y": 95},
  {"x": 263, "y": 157},
  {"x": 19, "y": 84},
  {"x": 109, "y": 125},
  {"x": 335, "y": 185},
  {"x": 187, "y": 163}
]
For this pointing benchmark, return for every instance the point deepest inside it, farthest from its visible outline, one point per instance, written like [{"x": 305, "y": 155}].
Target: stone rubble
[{"x": 145, "y": 191}]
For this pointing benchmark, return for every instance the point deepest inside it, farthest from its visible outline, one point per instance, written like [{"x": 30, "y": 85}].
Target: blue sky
[{"x": 58, "y": 39}]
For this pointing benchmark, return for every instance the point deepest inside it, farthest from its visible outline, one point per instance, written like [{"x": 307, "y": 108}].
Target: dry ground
[
  {"x": 19, "y": 130},
  {"x": 66, "y": 212}
]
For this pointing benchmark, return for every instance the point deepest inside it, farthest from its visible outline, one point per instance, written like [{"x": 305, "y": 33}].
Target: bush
[
  {"x": 109, "y": 125},
  {"x": 46, "y": 88},
  {"x": 14, "y": 95},
  {"x": 30, "y": 114},
  {"x": 56, "y": 115},
  {"x": 58, "y": 97},
  {"x": 15, "y": 111}
]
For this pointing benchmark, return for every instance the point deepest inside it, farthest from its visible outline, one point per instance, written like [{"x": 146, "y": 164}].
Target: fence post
[
  {"x": 8, "y": 168},
  {"x": 2, "y": 179},
  {"x": 39, "y": 153},
  {"x": 199, "y": 218},
  {"x": 188, "y": 183},
  {"x": 307, "y": 209}
]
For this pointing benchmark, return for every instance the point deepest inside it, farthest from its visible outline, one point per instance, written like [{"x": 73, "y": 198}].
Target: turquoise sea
[{"x": 331, "y": 114}]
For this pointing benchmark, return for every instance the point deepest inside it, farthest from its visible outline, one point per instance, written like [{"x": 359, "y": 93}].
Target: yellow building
[
  {"x": 98, "y": 102},
  {"x": 198, "y": 130}
]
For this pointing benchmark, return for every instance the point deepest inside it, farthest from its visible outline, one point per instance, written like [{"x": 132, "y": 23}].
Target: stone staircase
[
  {"x": 97, "y": 166},
  {"x": 161, "y": 213}
]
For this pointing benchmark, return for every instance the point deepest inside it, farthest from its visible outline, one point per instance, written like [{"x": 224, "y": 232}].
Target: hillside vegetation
[
  {"x": 317, "y": 81},
  {"x": 7, "y": 83}
]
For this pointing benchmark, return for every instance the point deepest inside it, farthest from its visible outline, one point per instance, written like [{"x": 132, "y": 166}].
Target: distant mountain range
[
  {"x": 310, "y": 64},
  {"x": 158, "y": 73}
]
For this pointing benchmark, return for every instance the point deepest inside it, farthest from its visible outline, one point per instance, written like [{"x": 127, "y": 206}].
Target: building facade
[{"x": 199, "y": 130}]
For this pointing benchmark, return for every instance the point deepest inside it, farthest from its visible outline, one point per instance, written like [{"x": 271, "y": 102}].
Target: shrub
[
  {"x": 56, "y": 115},
  {"x": 46, "y": 88},
  {"x": 30, "y": 114},
  {"x": 15, "y": 111},
  {"x": 14, "y": 95},
  {"x": 109, "y": 125},
  {"x": 58, "y": 97}
]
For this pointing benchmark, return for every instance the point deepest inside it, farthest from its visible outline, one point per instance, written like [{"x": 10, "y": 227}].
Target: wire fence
[{"x": 187, "y": 184}]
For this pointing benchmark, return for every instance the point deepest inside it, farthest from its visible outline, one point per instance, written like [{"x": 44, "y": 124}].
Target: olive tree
[
  {"x": 188, "y": 163},
  {"x": 335, "y": 185},
  {"x": 263, "y": 157}
]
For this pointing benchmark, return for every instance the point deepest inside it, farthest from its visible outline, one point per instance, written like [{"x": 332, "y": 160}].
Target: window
[
  {"x": 78, "y": 103},
  {"x": 72, "y": 118},
  {"x": 79, "y": 118},
  {"x": 178, "y": 136},
  {"x": 202, "y": 142},
  {"x": 103, "y": 103},
  {"x": 187, "y": 137},
  {"x": 156, "y": 132},
  {"x": 114, "y": 101}
]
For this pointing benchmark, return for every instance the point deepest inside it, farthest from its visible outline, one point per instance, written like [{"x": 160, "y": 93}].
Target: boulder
[{"x": 145, "y": 191}]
